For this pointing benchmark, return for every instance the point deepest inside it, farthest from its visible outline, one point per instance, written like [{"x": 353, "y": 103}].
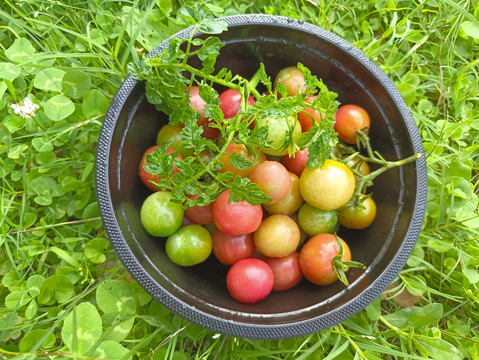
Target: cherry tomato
[
  {"x": 315, "y": 221},
  {"x": 358, "y": 165},
  {"x": 198, "y": 103},
  {"x": 277, "y": 236},
  {"x": 286, "y": 271},
  {"x": 292, "y": 78},
  {"x": 160, "y": 216},
  {"x": 190, "y": 245},
  {"x": 272, "y": 178},
  {"x": 309, "y": 115},
  {"x": 291, "y": 202},
  {"x": 328, "y": 187},
  {"x": 230, "y": 101},
  {"x": 236, "y": 218},
  {"x": 231, "y": 248},
  {"x": 297, "y": 162},
  {"x": 200, "y": 214},
  {"x": 278, "y": 129},
  {"x": 250, "y": 280},
  {"x": 316, "y": 258},
  {"x": 145, "y": 176},
  {"x": 170, "y": 133},
  {"x": 239, "y": 149},
  {"x": 210, "y": 132},
  {"x": 349, "y": 119},
  {"x": 358, "y": 217}
]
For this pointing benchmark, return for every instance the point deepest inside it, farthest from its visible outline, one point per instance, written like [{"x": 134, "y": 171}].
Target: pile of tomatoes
[{"x": 269, "y": 247}]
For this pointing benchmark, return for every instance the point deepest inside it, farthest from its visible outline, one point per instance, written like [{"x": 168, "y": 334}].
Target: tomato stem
[
  {"x": 372, "y": 157},
  {"x": 340, "y": 266}
]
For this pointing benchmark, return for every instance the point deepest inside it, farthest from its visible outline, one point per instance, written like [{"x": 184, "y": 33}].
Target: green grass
[{"x": 54, "y": 252}]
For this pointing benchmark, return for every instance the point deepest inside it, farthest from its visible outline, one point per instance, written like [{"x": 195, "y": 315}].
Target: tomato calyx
[{"x": 342, "y": 266}]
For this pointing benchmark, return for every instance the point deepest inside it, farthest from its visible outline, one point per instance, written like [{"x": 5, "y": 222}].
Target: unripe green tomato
[
  {"x": 278, "y": 129},
  {"x": 316, "y": 221},
  {"x": 172, "y": 133},
  {"x": 190, "y": 245},
  {"x": 359, "y": 217},
  {"x": 160, "y": 216}
]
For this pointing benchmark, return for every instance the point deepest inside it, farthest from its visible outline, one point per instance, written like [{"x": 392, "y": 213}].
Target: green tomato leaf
[
  {"x": 211, "y": 46},
  {"x": 239, "y": 162},
  {"x": 49, "y": 79},
  {"x": 242, "y": 189},
  {"x": 114, "y": 296},
  {"x": 59, "y": 107},
  {"x": 82, "y": 328}
]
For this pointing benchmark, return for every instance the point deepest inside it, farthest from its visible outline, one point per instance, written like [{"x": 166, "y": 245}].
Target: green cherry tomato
[
  {"x": 160, "y": 216},
  {"x": 358, "y": 217},
  {"x": 278, "y": 129},
  {"x": 190, "y": 245},
  {"x": 315, "y": 221}
]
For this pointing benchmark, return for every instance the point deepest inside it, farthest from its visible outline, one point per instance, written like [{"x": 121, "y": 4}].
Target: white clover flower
[{"x": 26, "y": 108}]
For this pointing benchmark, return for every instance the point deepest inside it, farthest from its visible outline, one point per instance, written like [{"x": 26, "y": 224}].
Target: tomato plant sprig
[
  {"x": 341, "y": 266},
  {"x": 372, "y": 156},
  {"x": 168, "y": 78}
]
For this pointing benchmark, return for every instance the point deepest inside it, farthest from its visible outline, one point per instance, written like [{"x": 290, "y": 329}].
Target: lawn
[{"x": 58, "y": 272}]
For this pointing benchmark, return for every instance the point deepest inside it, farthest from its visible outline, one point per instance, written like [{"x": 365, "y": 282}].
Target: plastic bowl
[{"x": 199, "y": 293}]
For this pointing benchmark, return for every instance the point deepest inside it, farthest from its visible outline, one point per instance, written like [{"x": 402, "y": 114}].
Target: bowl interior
[{"x": 203, "y": 287}]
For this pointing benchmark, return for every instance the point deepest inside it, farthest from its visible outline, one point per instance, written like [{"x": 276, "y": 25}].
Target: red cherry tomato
[
  {"x": 200, "y": 214},
  {"x": 231, "y": 101},
  {"x": 145, "y": 176},
  {"x": 349, "y": 119},
  {"x": 231, "y": 248},
  {"x": 307, "y": 116},
  {"x": 286, "y": 271},
  {"x": 198, "y": 104},
  {"x": 250, "y": 280},
  {"x": 272, "y": 178},
  {"x": 316, "y": 258},
  {"x": 236, "y": 218},
  {"x": 297, "y": 163}
]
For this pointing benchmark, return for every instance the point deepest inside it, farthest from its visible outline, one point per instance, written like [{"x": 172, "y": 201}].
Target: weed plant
[{"x": 65, "y": 295}]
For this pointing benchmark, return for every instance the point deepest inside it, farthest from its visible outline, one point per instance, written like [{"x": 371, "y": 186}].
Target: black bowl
[{"x": 199, "y": 293}]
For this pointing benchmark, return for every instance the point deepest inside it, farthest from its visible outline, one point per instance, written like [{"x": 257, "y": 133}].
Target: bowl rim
[{"x": 254, "y": 330}]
